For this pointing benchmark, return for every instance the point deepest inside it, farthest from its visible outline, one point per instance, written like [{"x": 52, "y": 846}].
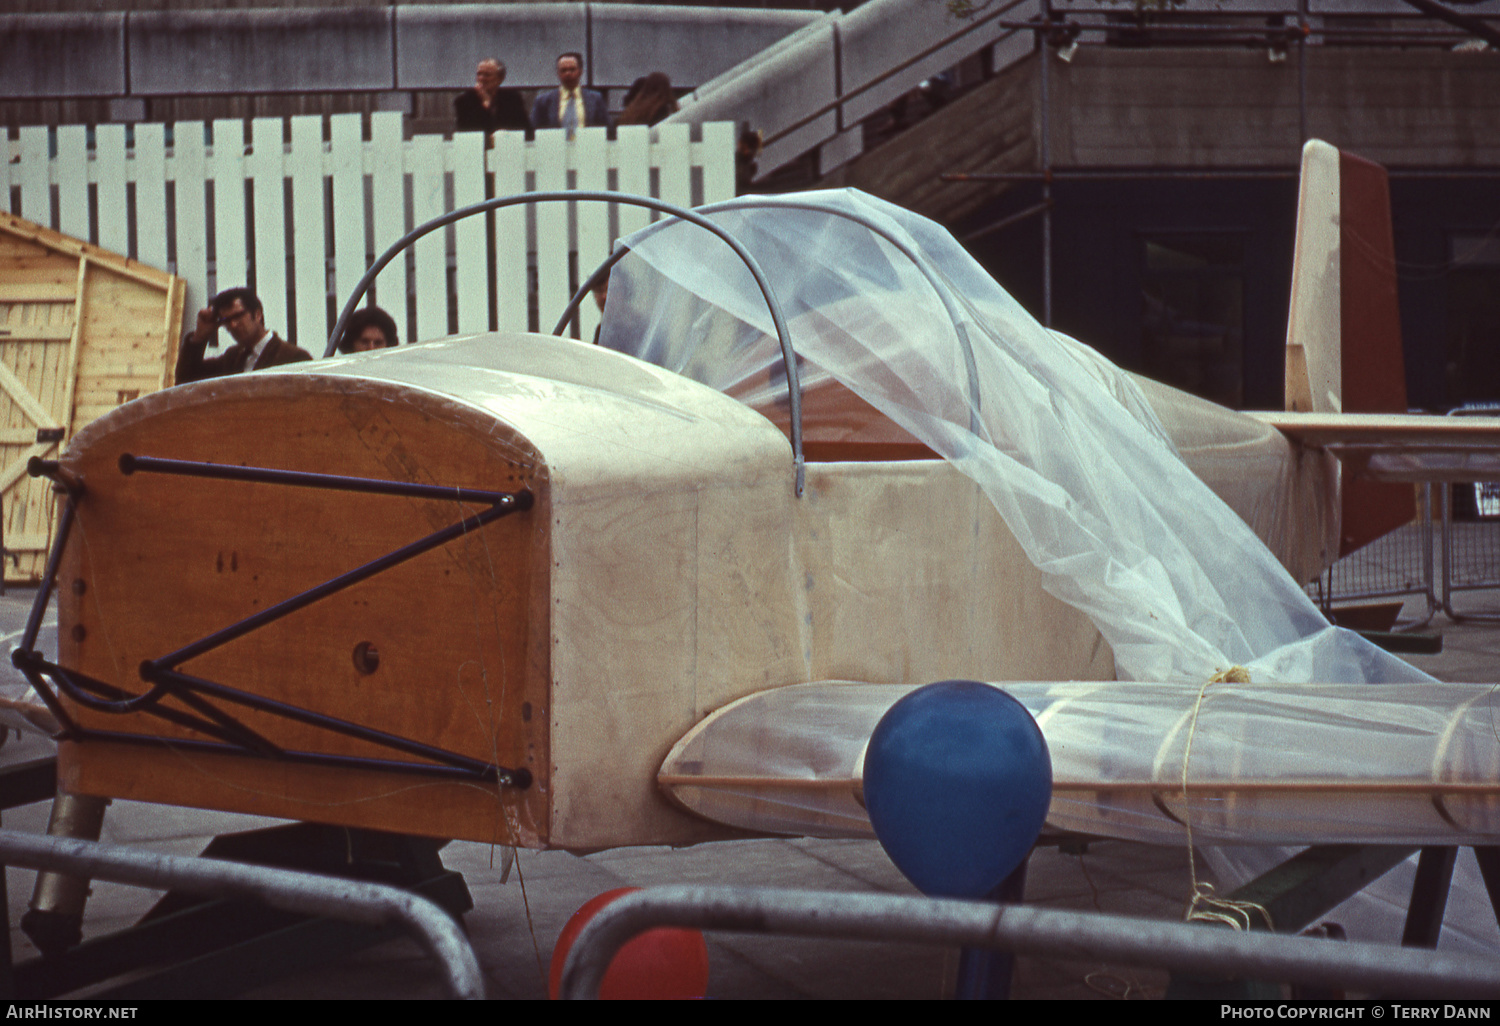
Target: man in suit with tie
[
  {"x": 255, "y": 348},
  {"x": 570, "y": 106}
]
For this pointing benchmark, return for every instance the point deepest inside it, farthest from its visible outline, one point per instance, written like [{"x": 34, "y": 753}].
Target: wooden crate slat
[
  {"x": 36, "y": 292},
  {"x": 36, "y": 332},
  {"x": 81, "y": 330}
]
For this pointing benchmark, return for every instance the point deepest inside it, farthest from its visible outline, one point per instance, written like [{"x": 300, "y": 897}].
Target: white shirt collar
[{"x": 259, "y": 350}]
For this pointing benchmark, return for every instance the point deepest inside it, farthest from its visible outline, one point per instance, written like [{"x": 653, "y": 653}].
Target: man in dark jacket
[
  {"x": 486, "y": 108},
  {"x": 255, "y": 348},
  {"x": 569, "y": 106}
]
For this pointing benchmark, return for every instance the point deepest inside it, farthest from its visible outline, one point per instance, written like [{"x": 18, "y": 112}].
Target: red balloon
[{"x": 659, "y": 965}]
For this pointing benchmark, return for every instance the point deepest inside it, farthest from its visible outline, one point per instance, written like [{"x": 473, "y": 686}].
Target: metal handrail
[
  {"x": 309, "y": 894},
  {"x": 1373, "y": 968},
  {"x": 788, "y": 355}
]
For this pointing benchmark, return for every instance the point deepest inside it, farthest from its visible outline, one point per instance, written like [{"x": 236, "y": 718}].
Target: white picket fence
[{"x": 302, "y": 221}]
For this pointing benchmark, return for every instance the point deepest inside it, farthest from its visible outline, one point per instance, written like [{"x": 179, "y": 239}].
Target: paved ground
[{"x": 515, "y": 923}]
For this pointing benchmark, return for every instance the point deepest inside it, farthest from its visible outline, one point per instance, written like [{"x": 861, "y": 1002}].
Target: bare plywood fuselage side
[{"x": 665, "y": 570}]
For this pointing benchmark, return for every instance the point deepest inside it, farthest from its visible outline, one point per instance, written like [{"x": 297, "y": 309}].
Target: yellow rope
[{"x": 1205, "y": 906}]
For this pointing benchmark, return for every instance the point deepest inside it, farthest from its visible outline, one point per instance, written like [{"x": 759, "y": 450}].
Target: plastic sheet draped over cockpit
[{"x": 1066, "y": 446}]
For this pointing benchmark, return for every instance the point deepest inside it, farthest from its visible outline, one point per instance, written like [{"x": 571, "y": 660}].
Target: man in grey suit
[{"x": 570, "y": 106}]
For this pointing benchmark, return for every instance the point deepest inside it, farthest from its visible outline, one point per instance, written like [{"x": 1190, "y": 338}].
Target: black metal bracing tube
[
  {"x": 26, "y": 661},
  {"x": 232, "y": 729},
  {"x": 130, "y": 464},
  {"x": 328, "y": 723},
  {"x": 522, "y": 502},
  {"x": 49, "y": 577},
  {"x": 486, "y": 774},
  {"x": 77, "y": 685},
  {"x": 794, "y": 386}
]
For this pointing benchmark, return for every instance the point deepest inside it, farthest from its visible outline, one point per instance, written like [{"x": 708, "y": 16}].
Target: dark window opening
[
  {"x": 1193, "y": 313},
  {"x": 1473, "y": 319}
]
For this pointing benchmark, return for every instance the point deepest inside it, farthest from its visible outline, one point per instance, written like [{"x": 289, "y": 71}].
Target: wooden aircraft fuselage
[{"x": 665, "y": 568}]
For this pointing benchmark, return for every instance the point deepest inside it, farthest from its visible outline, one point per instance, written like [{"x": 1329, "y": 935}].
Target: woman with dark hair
[
  {"x": 368, "y": 328},
  {"x": 649, "y": 101}
]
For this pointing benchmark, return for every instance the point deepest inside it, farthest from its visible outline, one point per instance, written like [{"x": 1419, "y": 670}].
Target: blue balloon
[{"x": 957, "y": 784}]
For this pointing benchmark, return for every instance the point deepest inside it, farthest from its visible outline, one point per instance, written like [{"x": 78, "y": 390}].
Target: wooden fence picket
[
  {"x": 388, "y": 183},
  {"x": 111, "y": 194},
  {"x": 191, "y": 209},
  {"x": 266, "y": 164},
  {"x": 471, "y": 267},
  {"x": 231, "y": 229},
  {"x": 36, "y": 193},
  {"x": 347, "y": 172},
  {"x": 431, "y": 251},
  {"x": 299, "y": 217},
  {"x": 73, "y": 181},
  {"x": 512, "y": 277},
  {"x": 309, "y": 234}
]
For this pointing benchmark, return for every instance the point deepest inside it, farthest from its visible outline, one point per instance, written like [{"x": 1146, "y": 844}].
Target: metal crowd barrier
[
  {"x": 1396, "y": 566},
  {"x": 312, "y": 894},
  {"x": 1471, "y": 548},
  {"x": 1371, "y": 968}
]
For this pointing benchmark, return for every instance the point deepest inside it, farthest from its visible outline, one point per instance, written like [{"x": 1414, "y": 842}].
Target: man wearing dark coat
[
  {"x": 570, "y": 106},
  {"x": 255, "y": 348},
  {"x": 486, "y": 108}
]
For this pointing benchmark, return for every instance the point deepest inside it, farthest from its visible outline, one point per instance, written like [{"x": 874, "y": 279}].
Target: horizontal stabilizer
[{"x": 1399, "y": 447}]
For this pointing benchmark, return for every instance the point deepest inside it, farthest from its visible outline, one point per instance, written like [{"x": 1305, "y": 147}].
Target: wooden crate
[{"x": 82, "y": 330}]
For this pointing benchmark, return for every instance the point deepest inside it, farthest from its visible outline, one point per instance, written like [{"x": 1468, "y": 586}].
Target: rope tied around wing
[{"x": 1205, "y": 905}]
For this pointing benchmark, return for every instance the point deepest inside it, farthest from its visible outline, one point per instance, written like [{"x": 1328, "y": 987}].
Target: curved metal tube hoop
[
  {"x": 884, "y": 918},
  {"x": 310, "y": 894},
  {"x": 788, "y": 355},
  {"x": 944, "y": 294}
]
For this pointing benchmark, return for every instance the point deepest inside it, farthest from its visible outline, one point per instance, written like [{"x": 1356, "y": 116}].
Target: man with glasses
[{"x": 255, "y": 348}]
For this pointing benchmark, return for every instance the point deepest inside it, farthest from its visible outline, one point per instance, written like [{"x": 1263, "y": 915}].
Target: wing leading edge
[{"x": 1353, "y": 763}]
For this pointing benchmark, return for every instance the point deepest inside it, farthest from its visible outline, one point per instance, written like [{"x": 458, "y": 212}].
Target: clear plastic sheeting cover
[
  {"x": 1265, "y": 764},
  {"x": 1066, "y": 446}
]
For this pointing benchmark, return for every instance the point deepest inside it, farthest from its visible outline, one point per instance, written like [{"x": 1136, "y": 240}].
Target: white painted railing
[{"x": 301, "y": 221}]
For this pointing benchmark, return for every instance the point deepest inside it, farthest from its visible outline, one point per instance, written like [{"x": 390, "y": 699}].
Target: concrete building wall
[
  {"x": 242, "y": 61},
  {"x": 1215, "y": 108}
]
